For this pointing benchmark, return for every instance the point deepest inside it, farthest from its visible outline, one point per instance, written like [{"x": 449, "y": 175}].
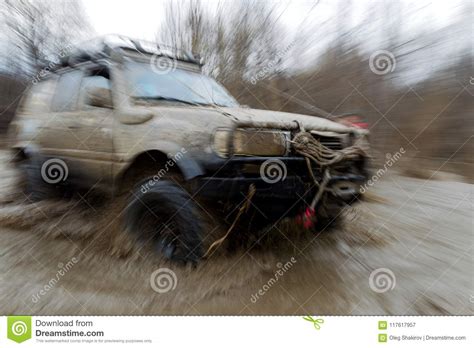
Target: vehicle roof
[{"x": 113, "y": 47}]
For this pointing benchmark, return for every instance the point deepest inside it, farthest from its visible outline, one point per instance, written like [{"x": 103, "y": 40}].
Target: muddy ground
[{"x": 420, "y": 230}]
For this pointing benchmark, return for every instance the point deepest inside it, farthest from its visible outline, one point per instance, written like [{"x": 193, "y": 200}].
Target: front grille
[{"x": 334, "y": 143}]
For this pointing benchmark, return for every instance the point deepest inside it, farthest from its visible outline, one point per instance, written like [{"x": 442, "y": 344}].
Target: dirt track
[{"x": 419, "y": 230}]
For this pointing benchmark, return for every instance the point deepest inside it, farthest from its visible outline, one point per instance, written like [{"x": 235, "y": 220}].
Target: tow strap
[{"x": 244, "y": 207}]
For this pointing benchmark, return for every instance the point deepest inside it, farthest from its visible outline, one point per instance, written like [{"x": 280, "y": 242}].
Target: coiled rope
[
  {"x": 313, "y": 150},
  {"x": 307, "y": 145}
]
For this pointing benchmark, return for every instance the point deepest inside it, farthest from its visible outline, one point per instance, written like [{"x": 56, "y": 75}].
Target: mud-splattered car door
[{"x": 80, "y": 128}]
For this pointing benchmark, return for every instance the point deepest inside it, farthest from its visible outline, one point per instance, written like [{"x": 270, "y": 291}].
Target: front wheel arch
[{"x": 154, "y": 161}]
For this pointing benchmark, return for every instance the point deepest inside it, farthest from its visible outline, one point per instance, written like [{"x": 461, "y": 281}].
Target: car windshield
[{"x": 176, "y": 85}]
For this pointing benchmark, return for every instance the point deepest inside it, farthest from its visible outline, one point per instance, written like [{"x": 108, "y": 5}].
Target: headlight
[
  {"x": 221, "y": 142},
  {"x": 251, "y": 142}
]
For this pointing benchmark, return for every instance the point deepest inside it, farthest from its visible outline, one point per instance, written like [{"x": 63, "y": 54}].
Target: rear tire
[
  {"x": 36, "y": 188},
  {"x": 165, "y": 215}
]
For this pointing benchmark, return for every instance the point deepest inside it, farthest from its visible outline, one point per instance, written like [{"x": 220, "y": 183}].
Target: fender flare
[
  {"x": 25, "y": 151},
  {"x": 188, "y": 166}
]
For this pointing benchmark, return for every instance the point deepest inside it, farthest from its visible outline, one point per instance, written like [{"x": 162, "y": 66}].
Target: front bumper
[{"x": 293, "y": 183}]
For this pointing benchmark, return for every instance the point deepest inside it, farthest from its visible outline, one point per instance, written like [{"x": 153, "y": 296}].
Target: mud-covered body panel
[{"x": 173, "y": 128}]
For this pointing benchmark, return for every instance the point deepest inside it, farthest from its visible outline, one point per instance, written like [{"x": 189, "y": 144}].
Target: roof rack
[{"x": 103, "y": 47}]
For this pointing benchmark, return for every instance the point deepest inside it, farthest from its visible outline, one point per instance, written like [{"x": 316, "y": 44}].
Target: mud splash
[{"x": 330, "y": 275}]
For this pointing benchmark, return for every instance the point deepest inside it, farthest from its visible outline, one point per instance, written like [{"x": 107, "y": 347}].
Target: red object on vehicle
[
  {"x": 307, "y": 219},
  {"x": 353, "y": 121}
]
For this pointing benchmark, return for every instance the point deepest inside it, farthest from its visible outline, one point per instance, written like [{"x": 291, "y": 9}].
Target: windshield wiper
[{"x": 158, "y": 97}]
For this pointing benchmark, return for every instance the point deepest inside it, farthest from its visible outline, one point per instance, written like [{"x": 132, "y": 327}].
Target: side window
[
  {"x": 67, "y": 91},
  {"x": 95, "y": 90},
  {"x": 39, "y": 96}
]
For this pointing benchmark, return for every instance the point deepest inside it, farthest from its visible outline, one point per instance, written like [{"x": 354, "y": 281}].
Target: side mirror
[{"x": 99, "y": 97}]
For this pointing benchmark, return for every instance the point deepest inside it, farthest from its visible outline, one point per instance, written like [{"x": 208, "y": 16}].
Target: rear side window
[
  {"x": 39, "y": 96},
  {"x": 67, "y": 91},
  {"x": 91, "y": 83}
]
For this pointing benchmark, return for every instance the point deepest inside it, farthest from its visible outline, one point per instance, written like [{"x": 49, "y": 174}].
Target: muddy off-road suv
[{"x": 133, "y": 118}]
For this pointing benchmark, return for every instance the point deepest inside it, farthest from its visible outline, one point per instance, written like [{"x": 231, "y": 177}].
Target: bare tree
[
  {"x": 237, "y": 39},
  {"x": 39, "y": 30}
]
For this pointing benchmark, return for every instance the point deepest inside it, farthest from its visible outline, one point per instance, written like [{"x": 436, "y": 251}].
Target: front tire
[{"x": 164, "y": 214}]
